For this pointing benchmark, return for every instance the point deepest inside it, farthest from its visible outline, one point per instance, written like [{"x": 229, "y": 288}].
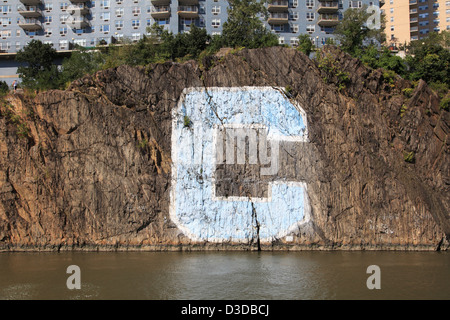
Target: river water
[{"x": 225, "y": 275}]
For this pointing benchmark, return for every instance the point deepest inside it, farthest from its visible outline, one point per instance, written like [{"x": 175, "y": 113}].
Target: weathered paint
[{"x": 195, "y": 208}]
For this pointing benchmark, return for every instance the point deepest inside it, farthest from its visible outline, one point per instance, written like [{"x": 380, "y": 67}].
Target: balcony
[
  {"x": 31, "y": 2},
  {"x": 328, "y": 20},
  {"x": 188, "y": 11},
  {"x": 29, "y": 11},
  {"x": 188, "y": 2},
  {"x": 79, "y": 1},
  {"x": 30, "y": 24},
  {"x": 278, "y": 6},
  {"x": 278, "y": 18},
  {"x": 328, "y": 7},
  {"x": 78, "y": 23},
  {"x": 80, "y": 9},
  {"x": 414, "y": 20},
  {"x": 413, "y": 11},
  {"x": 382, "y": 2},
  {"x": 160, "y": 2},
  {"x": 412, "y": 2},
  {"x": 414, "y": 29},
  {"x": 160, "y": 12}
]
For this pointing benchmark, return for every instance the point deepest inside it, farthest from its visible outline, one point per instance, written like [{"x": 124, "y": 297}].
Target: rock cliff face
[{"x": 91, "y": 167}]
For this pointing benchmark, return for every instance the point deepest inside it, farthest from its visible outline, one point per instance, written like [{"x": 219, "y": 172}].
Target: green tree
[
  {"x": 244, "y": 27},
  {"x": 429, "y": 59},
  {"x": 39, "y": 72},
  {"x": 80, "y": 63},
  {"x": 352, "y": 31},
  {"x": 305, "y": 44},
  {"x": 376, "y": 57}
]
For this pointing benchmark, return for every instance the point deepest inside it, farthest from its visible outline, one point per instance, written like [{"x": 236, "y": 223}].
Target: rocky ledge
[{"x": 90, "y": 168}]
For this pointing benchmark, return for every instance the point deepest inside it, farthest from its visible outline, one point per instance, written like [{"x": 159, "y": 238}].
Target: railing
[
  {"x": 161, "y": 9},
  {"x": 414, "y": 29},
  {"x": 279, "y": 15},
  {"x": 188, "y": 9},
  {"x": 279, "y": 3},
  {"x": 30, "y": 24}
]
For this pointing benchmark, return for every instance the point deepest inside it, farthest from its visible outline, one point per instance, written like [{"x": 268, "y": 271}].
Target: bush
[
  {"x": 3, "y": 88},
  {"x": 445, "y": 102}
]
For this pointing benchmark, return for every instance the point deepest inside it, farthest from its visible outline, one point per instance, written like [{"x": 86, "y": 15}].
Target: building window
[
  {"x": 294, "y": 41},
  {"x": 104, "y": 4},
  {"x": 310, "y": 16},
  {"x": 149, "y": 22},
  {"x": 277, "y": 27},
  {"x": 293, "y": 16},
  {"x": 63, "y": 6},
  {"x": 104, "y": 28},
  {"x": 392, "y": 28},
  {"x": 309, "y": 3},
  {"x": 135, "y": 37},
  {"x": 119, "y": 12},
  {"x": 105, "y": 16},
  {"x": 422, "y": 8},
  {"x": 5, "y": 9},
  {"x": 47, "y": 32},
  {"x": 215, "y": 10},
  {"x": 135, "y": 23},
  {"x": 48, "y": 19},
  {"x": 162, "y": 22},
  {"x": 136, "y": 10},
  {"x": 63, "y": 44},
  {"x": 63, "y": 18},
  {"x": 355, "y": 4},
  {"x": 119, "y": 24},
  {"x": 5, "y": 33},
  {"x": 48, "y": 6},
  {"x": 63, "y": 31},
  {"x": 5, "y": 21},
  {"x": 215, "y": 23},
  {"x": 310, "y": 28}
]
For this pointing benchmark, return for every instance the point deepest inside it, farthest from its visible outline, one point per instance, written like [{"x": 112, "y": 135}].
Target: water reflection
[{"x": 226, "y": 275}]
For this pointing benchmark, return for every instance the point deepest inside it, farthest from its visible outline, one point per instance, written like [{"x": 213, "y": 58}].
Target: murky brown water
[{"x": 226, "y": 275}]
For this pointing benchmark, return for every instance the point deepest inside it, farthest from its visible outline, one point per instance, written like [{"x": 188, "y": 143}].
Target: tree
[
  {"x": 429, "y": 60},
  {"x": 305, "y": 44},
  {"x": 352, "y": 31},
  {"x": 39, "y": 72},
  {"x": 80, "y": 63},
  {"x": 376, "y": 58},
  {"x": 244, "y": 27}
]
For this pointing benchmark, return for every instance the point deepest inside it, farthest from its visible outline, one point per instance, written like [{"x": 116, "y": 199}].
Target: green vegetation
[
  {"x": 143, "y": 144},
  {"x": 38, "y": 71},
  {"x": 3, "y": 88},
  {"x": 427, "y": 59},
  {"x": 244, "y": 27},
  {"x": 305, "y": 44},
  {"x": 187, "y": 122},
  {"x": 6, "y": 111},
  {"x": 409, "y": 157},
  {"x": 331, "y": 69}
]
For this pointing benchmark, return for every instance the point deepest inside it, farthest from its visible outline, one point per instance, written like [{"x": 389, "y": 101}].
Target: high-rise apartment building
[
  {"x": 88, "y": 23},
  {"x": 408, "y": 20}
]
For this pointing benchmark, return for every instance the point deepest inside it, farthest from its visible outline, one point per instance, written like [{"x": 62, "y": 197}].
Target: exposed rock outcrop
[{"x": 91, "y": 168}]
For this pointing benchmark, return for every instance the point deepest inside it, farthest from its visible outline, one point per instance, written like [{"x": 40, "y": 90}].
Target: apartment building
[
  {"x": 408, "y": 20},
  {"x": 88, "y": 23}
]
